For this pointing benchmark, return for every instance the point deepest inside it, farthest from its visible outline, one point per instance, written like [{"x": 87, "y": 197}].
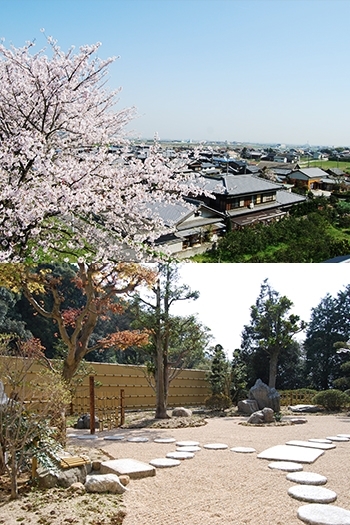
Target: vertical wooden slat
[
  {"x": 122, "y": 406},
  {"x": 92, "y": 404}
]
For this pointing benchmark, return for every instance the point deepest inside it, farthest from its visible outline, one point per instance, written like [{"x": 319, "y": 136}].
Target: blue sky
[
  {"x": 227, "y": 291},
  {"x": 267, "y": 71}
]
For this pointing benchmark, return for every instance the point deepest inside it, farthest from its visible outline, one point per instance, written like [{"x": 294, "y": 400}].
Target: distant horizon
[
  {"x": 237, "y": 142},
  {"x": 265, "y": 71}
]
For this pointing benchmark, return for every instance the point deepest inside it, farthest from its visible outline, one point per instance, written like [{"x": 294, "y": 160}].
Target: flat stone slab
[
  {"x": 316, "y": 440},
  {"x": 288, "y": 466},
  {"x": 137, "y": 439},
  {"x": 88, "y": 436},
  {"x": 164, "y": 440},
  {"x": 215, "y": 446},
  {"x": 307, "y": 478},
  {"x": 188, "y": 449},
  {"x": 319, "y": 514},
  {"x": 131, "y": 467},
  {"x": 164, "y": 462},
  {"x": 114, "y": 438},
  {"x": 312, "y": 494},
  {"x": 180, "y": 455},
  {"x": 344, "y": 435},
  {"x": 337, "y": 438},
  {"x": 312, "y": 444},
  {"x": 187, "y": 443},
  {"x": 291, "y": 453},
  {"x": 243, "y": 450}
]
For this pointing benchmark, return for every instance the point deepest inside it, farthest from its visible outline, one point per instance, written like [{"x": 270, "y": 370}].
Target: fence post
[
  {"x": 122, "y": 406},
  {"x": 92, "y": 404}
]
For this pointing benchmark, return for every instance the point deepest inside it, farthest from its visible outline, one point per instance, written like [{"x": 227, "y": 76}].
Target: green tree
[
  {"x": 219, "y": 371},
  {"x": 329, "y": 324},
  {"x": 271, "y": 328},
  {"x": 238, "y": 377},
  {"x": 172, "y": 340},
  {"x": 11, "y": 320}
]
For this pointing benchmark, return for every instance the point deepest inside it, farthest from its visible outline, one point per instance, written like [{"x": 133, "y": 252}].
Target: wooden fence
[
  {"x": 189, "y": 388},
  {"x": 114, "y": 381},
  {"x": 295, "y": 397}
]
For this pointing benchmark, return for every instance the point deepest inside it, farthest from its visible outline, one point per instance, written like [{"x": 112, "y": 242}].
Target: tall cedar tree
[{"x": 271, "y": 328}]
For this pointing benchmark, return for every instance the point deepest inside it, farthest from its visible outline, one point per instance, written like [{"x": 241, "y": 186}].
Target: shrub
[
  {"x": 218, "y": 402},
  {"x": 331, "y": 399}
]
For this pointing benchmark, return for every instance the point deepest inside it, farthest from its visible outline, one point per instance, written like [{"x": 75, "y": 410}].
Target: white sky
[{"x": 228, "y": 290}]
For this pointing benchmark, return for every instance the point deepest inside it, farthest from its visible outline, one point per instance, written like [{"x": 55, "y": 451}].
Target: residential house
[
  {"x": 193, "y": 226},
  {"x": 309, "y": 178},
  {"x": 246, "y": 199}
]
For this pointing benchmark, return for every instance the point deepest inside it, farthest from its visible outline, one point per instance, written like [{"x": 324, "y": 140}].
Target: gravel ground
[
  {"x": 222, "y": 487},
  {"x": 219, "y": 487}
]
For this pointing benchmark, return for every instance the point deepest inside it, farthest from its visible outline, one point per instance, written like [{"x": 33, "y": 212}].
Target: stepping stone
[
  {"x": 138, "y": 439},
  {"x": 187, "y": 444},
  {"x": 291, "y": 453},
  {"x": 164, "y": 440},
  {"x": 131, "y": 467},
  {"x": 180, "y": 455},
  {"x": 188, "y": 449},
  {"x": 88, "y": 436},
  {"x": 338, "y": 438},
  {"x": 216, "y": 446},
  {"x": 319, "y": 514},
  {"x": 243, "y": 450},
  {"x": 289, "y": 466},
  {"x": 344, "y": 435},
  {"x": 114, "y": 438},
  {"x": 314, "y": 440},
  {"x": 311, "y": 444},
  {"x": 165, "y": 462},
  {"x": 312, "y": 494},
  {"x": 307, "y": 478}
]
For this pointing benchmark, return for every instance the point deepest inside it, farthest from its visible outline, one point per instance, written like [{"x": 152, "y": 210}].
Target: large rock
[
  {"x": 104, "y": 483},
  {"x": 265, "y": 396},
  {"x": 248, "y": 406},
  {"x": 84, "y": 422},
  {"x": 181, "y": 412},
  {"x": 262, "y": 416},
  {"x": 48, "y": 479}
]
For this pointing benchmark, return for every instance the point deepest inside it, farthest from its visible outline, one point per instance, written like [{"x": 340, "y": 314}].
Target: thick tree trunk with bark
[{"x": 273, "y": 369}]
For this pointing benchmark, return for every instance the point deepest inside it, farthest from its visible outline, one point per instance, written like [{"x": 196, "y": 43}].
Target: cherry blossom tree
[{"x": 63, "y": 193}]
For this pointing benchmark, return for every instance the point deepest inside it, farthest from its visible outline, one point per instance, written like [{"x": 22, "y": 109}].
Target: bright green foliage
[
  {"x": 329, "y": 324},
  {"x": 218, "y": 376},
  {"x": 271, "y": 329},
  {"x": 309, "y": 234},
  {"x": 332, "y": 399},
  {"x": 238, "y": 384}
]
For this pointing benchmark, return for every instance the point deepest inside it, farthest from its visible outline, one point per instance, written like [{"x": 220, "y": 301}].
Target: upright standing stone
[{"x": 265, "y": 396}]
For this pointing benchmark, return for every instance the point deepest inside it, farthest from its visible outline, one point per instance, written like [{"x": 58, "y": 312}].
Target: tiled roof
[{"x": 239, "y": 184}]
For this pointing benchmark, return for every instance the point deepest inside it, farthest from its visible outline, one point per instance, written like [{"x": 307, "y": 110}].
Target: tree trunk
[
  {"x": 273, "y": 369},
  {"x": 13, "y": 477},
  {"x": 161, "y": 391}
]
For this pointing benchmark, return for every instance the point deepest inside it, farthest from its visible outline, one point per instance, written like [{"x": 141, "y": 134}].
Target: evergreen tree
[
  {"x": 329, "y": 324},
  {"x": 218, "y": 371},
  {"x": 270, "y": 332}
]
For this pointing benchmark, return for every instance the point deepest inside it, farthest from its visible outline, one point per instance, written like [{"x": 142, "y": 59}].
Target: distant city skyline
[{"x": 260, "y": 71}]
